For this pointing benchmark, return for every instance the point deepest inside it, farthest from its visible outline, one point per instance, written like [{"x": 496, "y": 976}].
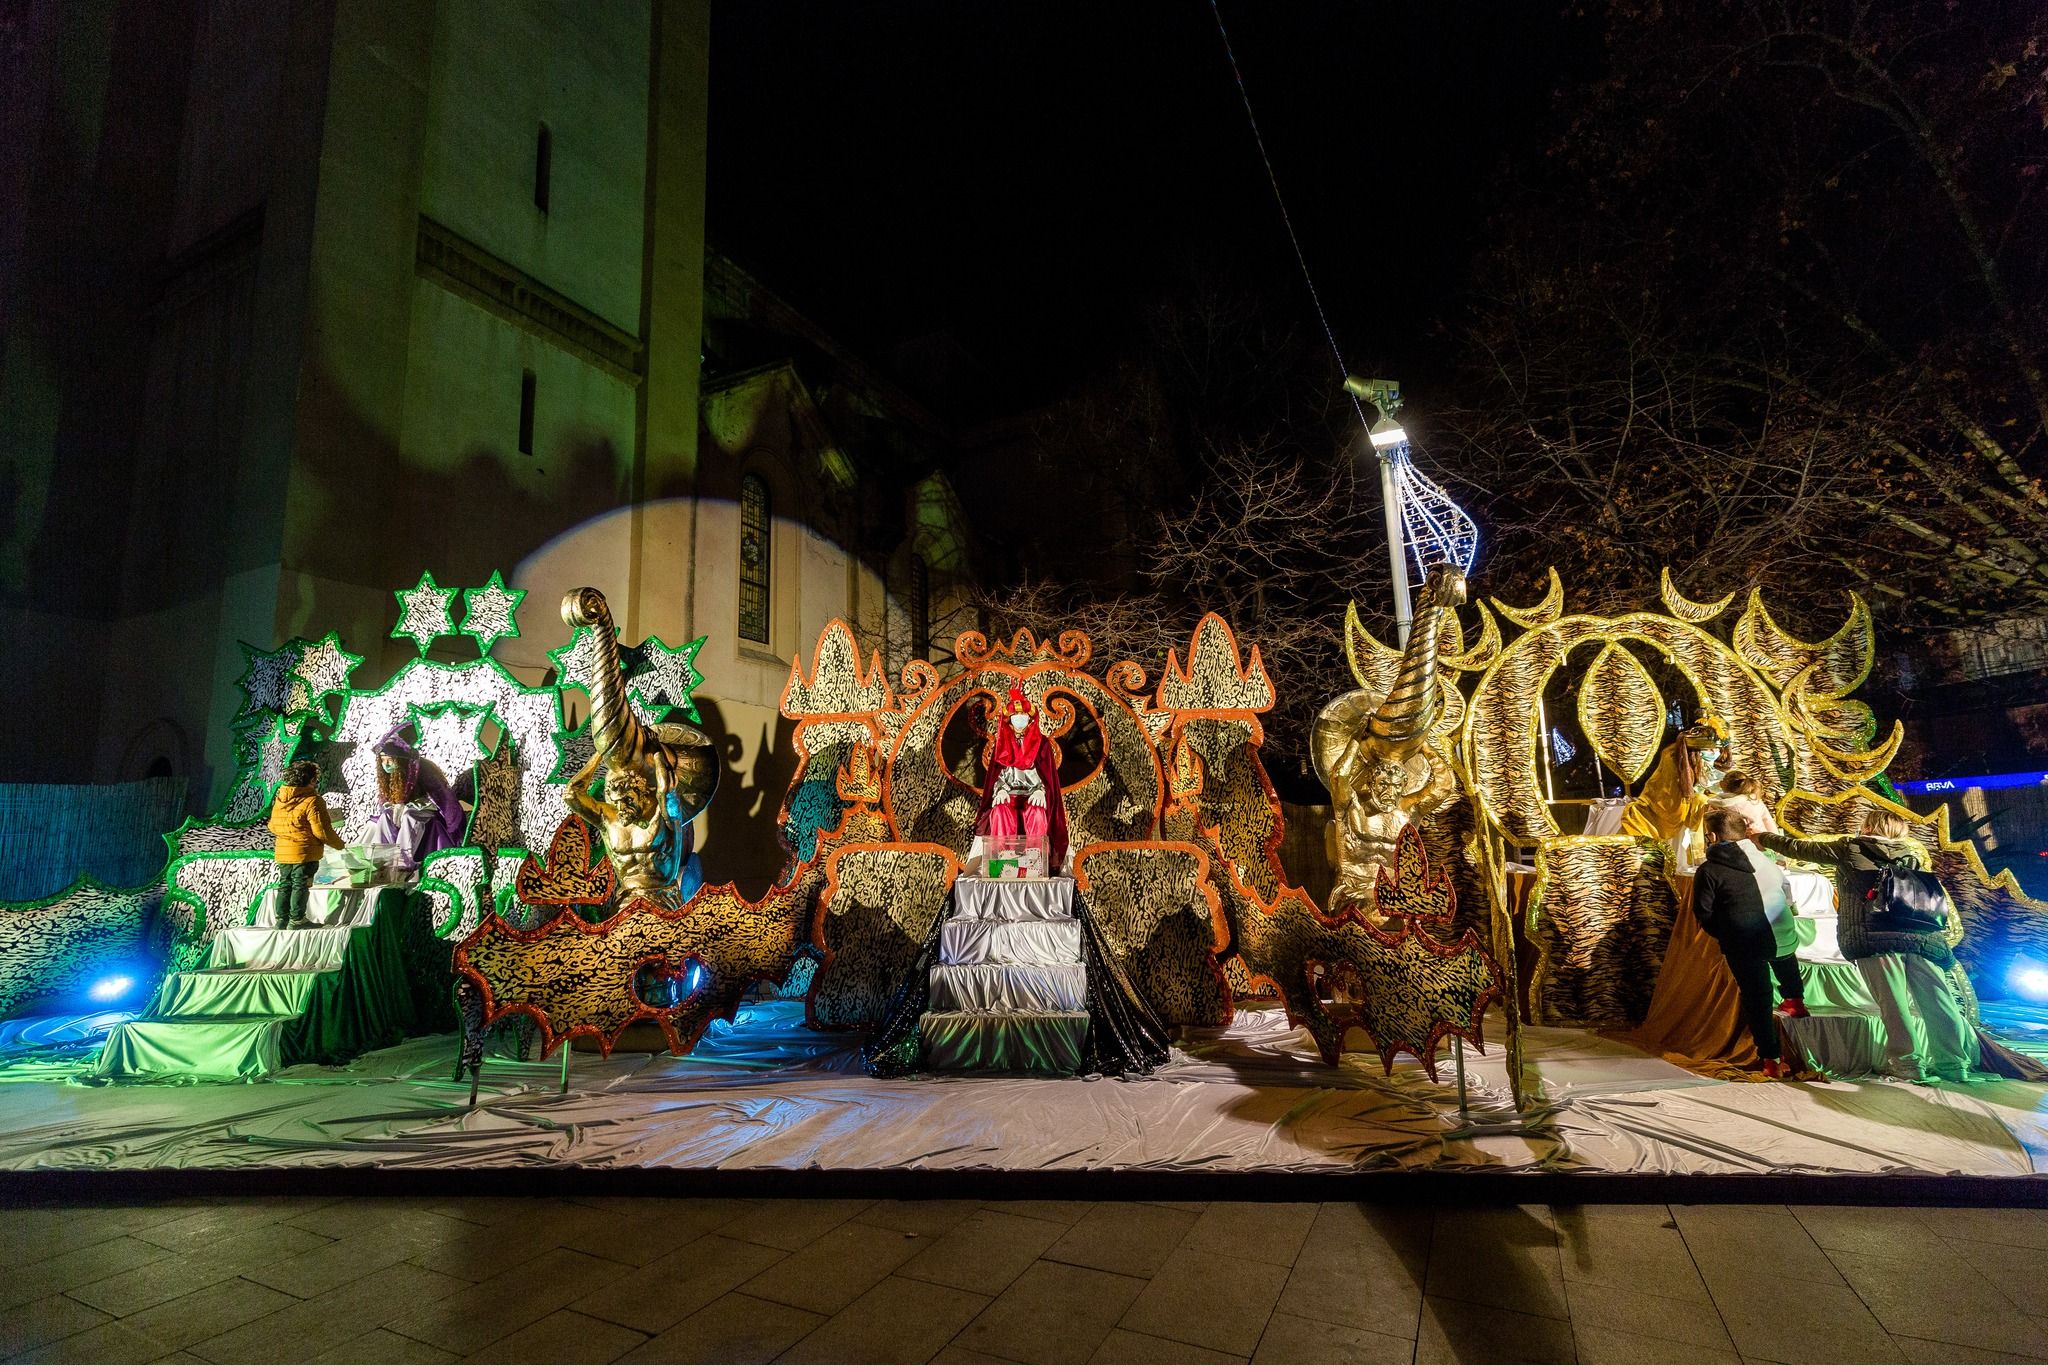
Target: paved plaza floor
[{"x": 410, "y": 1281}]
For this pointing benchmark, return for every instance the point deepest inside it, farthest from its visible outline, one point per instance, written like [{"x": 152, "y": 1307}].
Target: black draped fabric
[
  {"x": 896, "y": 1048},
  {"x": 1125, "y": 1038}
]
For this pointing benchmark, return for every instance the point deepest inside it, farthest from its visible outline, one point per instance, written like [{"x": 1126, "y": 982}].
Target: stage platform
[{"x": 767, "y": 1095}]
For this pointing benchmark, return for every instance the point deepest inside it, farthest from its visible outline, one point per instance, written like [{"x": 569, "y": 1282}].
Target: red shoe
[
  {"x": 1776, "y": 1070},
  {"x": 1793, "y": 1009}
]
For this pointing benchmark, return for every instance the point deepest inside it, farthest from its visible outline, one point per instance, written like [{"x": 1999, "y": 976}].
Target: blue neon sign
[{"x": 1995, "y": 782}]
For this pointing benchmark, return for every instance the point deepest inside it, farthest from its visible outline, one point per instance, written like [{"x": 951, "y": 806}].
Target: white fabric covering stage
[{"x": 767, "y": 1094}]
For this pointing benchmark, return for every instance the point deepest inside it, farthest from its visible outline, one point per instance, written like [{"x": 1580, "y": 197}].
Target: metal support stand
[{"x": 1458, "y": 1058}]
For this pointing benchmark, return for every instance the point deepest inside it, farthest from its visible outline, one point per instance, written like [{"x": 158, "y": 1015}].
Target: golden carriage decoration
[{"x": 1601, "y": 906}]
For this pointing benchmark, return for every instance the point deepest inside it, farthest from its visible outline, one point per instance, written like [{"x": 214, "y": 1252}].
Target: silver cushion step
[
  {"x": 1001, "y": 988},
  {"x": 1049, "y": 1043},
  {"x": 1033, "y": 943}
]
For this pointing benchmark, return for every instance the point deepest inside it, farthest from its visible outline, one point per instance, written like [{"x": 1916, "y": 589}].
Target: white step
[
  {"x": 324, "y": 905},
  {"x": 1035, "y": 943},
  {"x": 318, "y": 949},
  {"x": 1000, "y": 988},
  {"x": 1046, "y": 898},
  {"x": 1049, "y": 1043}
]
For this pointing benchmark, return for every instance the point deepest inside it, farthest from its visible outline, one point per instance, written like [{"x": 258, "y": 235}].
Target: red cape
[{"x": 1055, "y": 809}]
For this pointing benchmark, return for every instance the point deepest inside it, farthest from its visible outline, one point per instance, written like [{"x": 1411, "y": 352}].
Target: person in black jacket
[{"x": 1729, "y": 904}]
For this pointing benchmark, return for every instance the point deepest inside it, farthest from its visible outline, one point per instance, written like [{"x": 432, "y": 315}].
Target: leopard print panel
[
  {"x": 1599, "y": 919},
  {"x": 1157, "y": 905},
  {"x": 57, "y": 947},
  {"x": 877, "y": 907}
]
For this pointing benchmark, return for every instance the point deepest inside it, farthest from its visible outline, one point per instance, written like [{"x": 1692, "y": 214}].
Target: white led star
[
  {"x": 666, "y": 677},
  {"x": 423, "y": 613},
  {"x": 279, "y": 744},
  {"x": 488, "y": 613},
  {"x": 576, "y": 662},
  {"x": 449, "y": 735},
  {"x": 266, "y": 680},
  {"x": 322, "y": 670}
]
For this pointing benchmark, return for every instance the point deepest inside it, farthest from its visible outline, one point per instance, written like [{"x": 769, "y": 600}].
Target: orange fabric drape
[{"x": 1695, "y": 1016}]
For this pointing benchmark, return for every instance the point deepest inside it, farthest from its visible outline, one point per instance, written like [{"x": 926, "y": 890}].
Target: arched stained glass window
[{"x": 754, "y": 566}]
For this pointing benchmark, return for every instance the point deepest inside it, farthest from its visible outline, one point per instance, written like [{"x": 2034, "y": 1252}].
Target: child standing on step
[{"x": 299, "y": 819}]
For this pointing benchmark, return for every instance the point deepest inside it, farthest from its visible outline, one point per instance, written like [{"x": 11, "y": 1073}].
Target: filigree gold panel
[
  {"x": 571, "y": 874},
  {"x": 573, "y": 977},
  {"x": 1215, "y": 680},
  {"x": 1158, "y": 906},
  {"x": 878, "y": 904},
  {"x": 1407, "y": 986}
]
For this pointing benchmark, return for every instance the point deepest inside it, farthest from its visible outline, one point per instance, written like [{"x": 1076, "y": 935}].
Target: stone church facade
[{"x": 312, "y": 295}]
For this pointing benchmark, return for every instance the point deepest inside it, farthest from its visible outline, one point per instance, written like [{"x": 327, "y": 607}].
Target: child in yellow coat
[{"x": 299, "y": 819}]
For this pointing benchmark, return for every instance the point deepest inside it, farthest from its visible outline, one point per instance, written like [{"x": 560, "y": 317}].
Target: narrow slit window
[
  {"x": 754, "y": 565},
  {"x": 543, "y": 166},
  {"x": 526, "y": 388}
]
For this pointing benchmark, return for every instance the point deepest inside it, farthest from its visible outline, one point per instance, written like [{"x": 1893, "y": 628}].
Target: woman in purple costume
[{"x": 419, "y": 813}]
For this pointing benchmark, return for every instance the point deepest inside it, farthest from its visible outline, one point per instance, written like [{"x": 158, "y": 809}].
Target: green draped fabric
[
  {"x": 247, "y": 1022},
  {"x": 367, "y": 1004},
  {"x": 236, "y": 994},
  {"x": 191, "y": 1050}
]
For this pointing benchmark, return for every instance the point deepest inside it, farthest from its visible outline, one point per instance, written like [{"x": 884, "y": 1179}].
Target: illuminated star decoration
[
  {"x": 576, "y": 662},
  {"x": 450, "y": 735},
  {"x": 280, "y": 743},
  {"x": 488, "y": 613},
  {"x": 665, "y": 677},
  {"x": 322, "y": 670},
  {"x": 573, "y": 749},
  {"x": 423, "y": 613},
  {"x": 266, "y": 680}
]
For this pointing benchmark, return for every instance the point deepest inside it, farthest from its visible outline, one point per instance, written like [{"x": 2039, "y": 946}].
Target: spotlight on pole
[{"x": 1421, "y": 518}]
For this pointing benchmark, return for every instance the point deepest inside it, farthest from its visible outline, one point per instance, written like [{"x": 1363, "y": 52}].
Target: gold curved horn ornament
[{"x": 656, "y": 778}]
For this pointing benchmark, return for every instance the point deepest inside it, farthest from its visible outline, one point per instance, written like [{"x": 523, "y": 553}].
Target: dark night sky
[{"x": 1028, "y": 176}]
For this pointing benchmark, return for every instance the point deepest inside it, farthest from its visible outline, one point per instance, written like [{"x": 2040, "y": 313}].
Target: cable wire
[{"x": 1286, "y": 218}]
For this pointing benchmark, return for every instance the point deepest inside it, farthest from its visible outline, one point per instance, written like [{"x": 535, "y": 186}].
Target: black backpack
[{"x": 1905, "y": 900}]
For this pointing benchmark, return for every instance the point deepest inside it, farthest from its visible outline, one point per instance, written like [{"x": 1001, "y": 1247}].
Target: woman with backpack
[{"x": 1899, "y": 944}]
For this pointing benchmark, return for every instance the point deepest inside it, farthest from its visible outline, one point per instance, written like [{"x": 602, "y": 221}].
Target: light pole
[{"x": 1388, "y": 441}]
